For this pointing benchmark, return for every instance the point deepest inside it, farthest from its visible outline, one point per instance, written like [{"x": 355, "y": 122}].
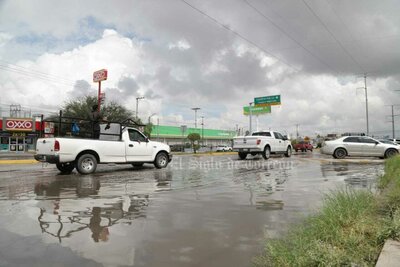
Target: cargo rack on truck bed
[{"x": 63, "y": 126}]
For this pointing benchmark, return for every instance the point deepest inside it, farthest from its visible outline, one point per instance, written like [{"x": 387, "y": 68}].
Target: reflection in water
[
  {"x": 64, "y": 217},
  {"x": 354, "y": 175},
  {"x": 85, "y": 186},
  {"x": 262, "y": 181},
  {"x": 163, "y": 180},
  {"x": 98, "y": 231}
]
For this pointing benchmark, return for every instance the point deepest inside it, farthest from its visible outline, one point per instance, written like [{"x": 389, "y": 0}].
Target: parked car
[
  {"x": 303, "y": 146},
  {"x": 264, "y": 143},
  {"x": 363, "y": 146},
  {"x": 223, "y": 148}
]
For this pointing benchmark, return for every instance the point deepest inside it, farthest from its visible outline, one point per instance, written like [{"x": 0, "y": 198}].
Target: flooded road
[{"x": 200, "y": 211}]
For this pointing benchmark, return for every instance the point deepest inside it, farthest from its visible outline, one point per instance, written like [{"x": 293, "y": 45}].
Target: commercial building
[
  {"x": 18, "y": 134},
  {"x": 177, "y": 135}
]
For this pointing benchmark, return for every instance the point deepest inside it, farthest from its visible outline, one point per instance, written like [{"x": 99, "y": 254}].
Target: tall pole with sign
[
  {"x": 99, "y": 76},
  {"x": 251, "y": 113}
]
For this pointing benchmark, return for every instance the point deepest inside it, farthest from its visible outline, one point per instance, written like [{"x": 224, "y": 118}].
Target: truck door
[
  {"x": 280, "y": 143},
  {"x": 137, "y": 149}
]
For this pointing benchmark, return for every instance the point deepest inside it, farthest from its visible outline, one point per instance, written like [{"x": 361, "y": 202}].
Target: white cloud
[{"x": 178, "y": 58}]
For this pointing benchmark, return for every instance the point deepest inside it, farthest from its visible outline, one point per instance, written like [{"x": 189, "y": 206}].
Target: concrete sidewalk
[{"x": 390, "y": 254}]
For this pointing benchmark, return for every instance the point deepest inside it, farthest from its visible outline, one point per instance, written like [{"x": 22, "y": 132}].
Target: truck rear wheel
[
  {"x": 267, "y": 152},
  {"x": 242, "y": 155},
  {"x": 86, "y": 164},
  {"x": 161, "y": 160},
  {"x": 66, "y": 167}
]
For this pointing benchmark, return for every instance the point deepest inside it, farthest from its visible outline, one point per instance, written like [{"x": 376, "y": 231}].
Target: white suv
[{"x": 223, "y": 148}]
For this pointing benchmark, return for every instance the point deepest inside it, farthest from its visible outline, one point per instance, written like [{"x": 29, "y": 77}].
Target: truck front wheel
[
  {"x": 267, "y": 152},
  {"x": 161, "y": 160},
  {"x": 66, "y": 167},
  {"x": 86, "y": 164}
]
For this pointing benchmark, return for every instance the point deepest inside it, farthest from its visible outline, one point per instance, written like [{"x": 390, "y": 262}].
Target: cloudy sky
[{"x": 216, "y": 55}]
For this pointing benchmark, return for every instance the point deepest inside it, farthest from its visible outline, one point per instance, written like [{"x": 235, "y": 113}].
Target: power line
[
  {"x": 35, "y": 71},
  {"x": 345, "y": 27},
  {"x": 239, "y": 35},
  {"x": 287, "y": 34},
  {"x": 333, "y": 36},
  {"x": 38, "y": 75}
]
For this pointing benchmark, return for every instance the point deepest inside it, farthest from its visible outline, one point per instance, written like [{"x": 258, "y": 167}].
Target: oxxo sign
[{"x": 19, "y": 125}]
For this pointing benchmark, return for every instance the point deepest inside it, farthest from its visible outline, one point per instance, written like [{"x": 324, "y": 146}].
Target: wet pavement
[{"x": 200, "y": 211}]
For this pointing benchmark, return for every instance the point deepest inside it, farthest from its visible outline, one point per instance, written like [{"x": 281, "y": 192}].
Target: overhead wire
[
  {"x": 35, "y": 71},
  {"x": 287, "y": 34},
  {"x": 332, "y": 35},
  {"x": 240, "y": 36}
]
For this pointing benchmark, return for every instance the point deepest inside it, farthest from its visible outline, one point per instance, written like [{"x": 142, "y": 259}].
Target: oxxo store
[{"x": 18, "y": 135}]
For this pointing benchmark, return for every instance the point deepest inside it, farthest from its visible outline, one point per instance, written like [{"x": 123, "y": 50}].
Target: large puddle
[{"x": 200, "y": 211}]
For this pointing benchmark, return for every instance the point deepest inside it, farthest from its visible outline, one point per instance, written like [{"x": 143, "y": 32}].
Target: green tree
[
  {"x": 193, "y": 137},
  {"x": 147, "y": 129},
  {"x": 81, "y": 108}
]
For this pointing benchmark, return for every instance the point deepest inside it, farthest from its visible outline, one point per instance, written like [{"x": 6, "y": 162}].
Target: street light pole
[
  {"x": 195, "y": 117},
  {"x": 137, "y": 105},
  {"x": 202, "y": 130}
]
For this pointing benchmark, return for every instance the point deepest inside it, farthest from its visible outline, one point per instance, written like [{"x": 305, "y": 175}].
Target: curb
[
  {"x": 18, "y": 161},
  {"x": 390, "y": 254}
]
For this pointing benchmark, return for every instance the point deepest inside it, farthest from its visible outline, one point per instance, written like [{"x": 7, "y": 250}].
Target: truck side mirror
[
  {"x": 146, "y": 139},
  {"x": 284, "y": 138}
]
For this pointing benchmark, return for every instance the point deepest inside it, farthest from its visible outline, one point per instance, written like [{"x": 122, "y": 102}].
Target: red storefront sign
[{"x": 19, "y": 125}]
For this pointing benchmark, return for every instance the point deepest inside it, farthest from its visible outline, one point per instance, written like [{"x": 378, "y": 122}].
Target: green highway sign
[
  {"x": 267, "y": 100},
  {"x": 256, "y": 110}
]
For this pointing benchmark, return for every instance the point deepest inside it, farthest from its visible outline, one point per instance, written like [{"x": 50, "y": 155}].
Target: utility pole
[
  {"x": 366, "y": 101},
  {"x": 297, "y": 130},
  {"x": 392, "y": 121},
  {"x": 137, "y": 105}
]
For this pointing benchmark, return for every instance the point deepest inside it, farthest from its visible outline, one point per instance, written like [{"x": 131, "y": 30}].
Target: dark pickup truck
[{"x": 303, "y": 146}]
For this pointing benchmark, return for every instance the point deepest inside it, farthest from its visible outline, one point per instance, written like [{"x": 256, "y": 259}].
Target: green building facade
[{"x": 174, "y": 134}]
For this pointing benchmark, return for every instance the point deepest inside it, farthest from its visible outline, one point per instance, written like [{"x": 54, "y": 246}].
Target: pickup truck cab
[
  {"x": 303, "y": 146},
  {"x": 264, "y": 143},
  {"x": 128, "y": 146}
]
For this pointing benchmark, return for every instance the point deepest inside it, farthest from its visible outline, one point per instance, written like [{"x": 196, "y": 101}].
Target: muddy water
[{"x": 201, "y": 211}]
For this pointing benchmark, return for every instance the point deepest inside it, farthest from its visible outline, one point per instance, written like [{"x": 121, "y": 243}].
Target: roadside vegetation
[{"x": 350, "y": 229}]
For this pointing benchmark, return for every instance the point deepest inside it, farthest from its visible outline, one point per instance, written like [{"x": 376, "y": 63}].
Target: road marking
[{"x": 18, "y": 161}]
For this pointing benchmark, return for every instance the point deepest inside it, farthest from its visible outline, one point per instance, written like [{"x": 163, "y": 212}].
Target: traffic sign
[
  {"x": 256, "y": 110},
  {"x": 267, "y": 100}
]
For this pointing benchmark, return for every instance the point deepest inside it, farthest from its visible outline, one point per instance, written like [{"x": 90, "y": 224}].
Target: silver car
[{"x": 362, "y": 146}]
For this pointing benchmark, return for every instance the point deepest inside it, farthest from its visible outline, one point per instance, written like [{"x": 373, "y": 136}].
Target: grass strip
[{"x": 349, "y": 230}]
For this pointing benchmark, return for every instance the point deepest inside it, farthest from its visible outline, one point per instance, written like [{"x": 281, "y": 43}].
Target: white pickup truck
[
  {"x": 129, "y": 146},
  {"x": 264, "y": 143}
]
